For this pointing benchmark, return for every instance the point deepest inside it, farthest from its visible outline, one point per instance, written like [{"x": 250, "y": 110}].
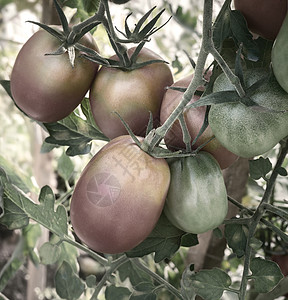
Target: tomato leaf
[
  {"x": 49, "y": 253},
  {"x": 74, "y": 132},
  {"x": 65, "y": 166},
  {"x": 236, "y": 236},
  {"x": 68, "y": 284},
  {"x": 113, "y": 292},
  {"x": 259, "y": 167},
  {"x": 18, "y": 208},
  {"x": 266, "y": 274},
  {"x": 164, "y": 240},
  {"x": 210, "y": 284}
]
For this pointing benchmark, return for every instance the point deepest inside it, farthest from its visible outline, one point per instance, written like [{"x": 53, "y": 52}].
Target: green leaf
[
  {"x": 74, "y": 132},
  {"x": 65, "y": 166},
  {"x": 185, "y": 18},
  {"x": 49, "y": 253},
  {"x": 68, "y": 284},
  {"x": 114, "y": 292},
  {"x": 242, "y": 35},
  {"x": 164, "y": 240},
  {"x": 18, "y": 208},
  {"x": 91, "y": 281},
  {"x": 189, "y": 240},
  {"x": 91, "y": 6},
  {"x": 135, "y": 275},
  {"x": 186, "y": 283},
  {"x": 259, "y": 167},
  {"x": 282, "y": 171},
  {"x": 12, "y": 265},
  {"x": 210, "y": 284},
  {"x": 6, "y": 85},
  {"x": 266, "y": 274},
  {"x": 17, "y": 177},
  {"x": 236, "y": 236}
]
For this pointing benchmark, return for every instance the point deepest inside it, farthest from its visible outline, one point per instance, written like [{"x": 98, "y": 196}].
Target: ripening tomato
[
  {"x": 264, "y": 17},
  {"x": 197, "y": 198},
  {"x": 132, "y": 94},
  {"x": 119, "y": 197},
  {"x": 194, "y": 119},
  {"x": 250, "y": 131},
  {"x": 46, "y": 87}
]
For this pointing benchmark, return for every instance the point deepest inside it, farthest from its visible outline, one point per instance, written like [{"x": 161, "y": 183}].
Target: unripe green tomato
[
  {"x": 194, "y": 118},
  {"x": 197, "y": 199},
  {"x": 119, "y": 197},
  {"x": 250, "y": 131}
]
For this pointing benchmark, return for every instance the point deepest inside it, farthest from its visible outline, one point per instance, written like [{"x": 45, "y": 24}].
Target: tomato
[
  {"x": 46, "y": 87},
  {"x": 194, "y": 119},
  {"x": 132, "y": 94},
  {"x": 250, "y": 131},
  {"x": 264, "y": 17},
  {"x": 282, "y": 261},
  {"x": 119, "y": 197},
  {"x": 197, "y": 199},
  {"x": 279, "y": 56}
]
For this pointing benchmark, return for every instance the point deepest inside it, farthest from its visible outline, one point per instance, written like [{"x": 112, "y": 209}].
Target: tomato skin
[
  {"x": 46, "y": 87},
  {"x": 119, "y": 1},
  {"x": 194, "y": 119},
  {"x": 131, "y": 93},
  {"x": 246, "y": 131},
  {"x": 197, "y": 199},
  {"x": 138, "y": 184},
  {"x": 279, "y": 56},
  {"x": 264, "y": 17}
]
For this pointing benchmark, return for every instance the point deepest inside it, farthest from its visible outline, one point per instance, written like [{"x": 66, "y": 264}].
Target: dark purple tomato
[
  {"x": 194, "y": 118},
  {"x": 46, "y": 87},
  {"x": 119, "y": 197},
  {"x": 132, "y": 94},
  {"x": 119, "y": 1},
  {"x": 264, "y": 17}
]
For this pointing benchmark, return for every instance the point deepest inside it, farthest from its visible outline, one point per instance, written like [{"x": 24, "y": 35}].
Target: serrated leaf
[
  {"x": 210, "y": 284},
  {"x": 164, "y": 240},
  {"x": 18, "y": 208},
  {"x": 135, "y": 275},
  {"x": 114, "y": 292},
  {"x": 266, "y": 274},
  {"x": 65, "y": 166},
  {"x": 74, "y": 132},
  {"x": 49, "y": 253},
  {"x": 68, "y": 284},
  {"x": 259, "y": 167},
  {"x": 236, "y": 236}
]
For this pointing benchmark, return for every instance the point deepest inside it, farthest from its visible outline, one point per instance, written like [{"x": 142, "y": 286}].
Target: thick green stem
[{"x": 256, "y": 218}]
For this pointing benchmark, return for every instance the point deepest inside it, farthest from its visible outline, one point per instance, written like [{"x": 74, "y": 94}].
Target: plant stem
[
  {"x": 159, "y": 133},
  {"x": 112, "y": 268},
  {"x": 103, "y": 261},
  {"x": 158, "y": 278},
  {"x": 256, "y": 218}
]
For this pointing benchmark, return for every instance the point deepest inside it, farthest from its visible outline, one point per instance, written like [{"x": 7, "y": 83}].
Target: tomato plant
[
  {"x": 132, "y": 94},
  {"x": 250, "y": 131},
  {"x": 194, "y": 119},
  {"x": 46, "y": 87},
  {"x": 263, "y": 17},
  {"x": 197, "y": 198},
  {"x": 120, "y": 195}
]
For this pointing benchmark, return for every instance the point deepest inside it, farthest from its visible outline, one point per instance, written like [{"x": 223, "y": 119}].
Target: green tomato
[
  {"x": 250, "y": 131},
  {"x": 279, "y": 56},
  {"x": 197, "y": 199}
]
